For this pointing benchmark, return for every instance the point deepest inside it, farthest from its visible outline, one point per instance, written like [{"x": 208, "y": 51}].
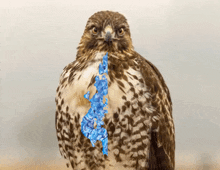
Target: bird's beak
[
  {"x": 108, "y": 33},
  {"x": 108, "y": 36}
]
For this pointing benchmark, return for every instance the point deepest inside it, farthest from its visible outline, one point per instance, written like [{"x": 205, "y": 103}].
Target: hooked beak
[
  {"x": 108, "y": 34},
  {"x": 108, "y": 37}
]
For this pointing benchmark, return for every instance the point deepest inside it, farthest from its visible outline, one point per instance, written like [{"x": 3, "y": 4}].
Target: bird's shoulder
[{"x": 152, "y": 75}]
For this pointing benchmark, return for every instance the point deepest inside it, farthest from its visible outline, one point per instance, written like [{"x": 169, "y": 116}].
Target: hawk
[{"x": 139, "y": 122}]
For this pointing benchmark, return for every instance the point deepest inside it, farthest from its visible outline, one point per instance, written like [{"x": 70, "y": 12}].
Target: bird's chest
[
  {"x": 124, "y": 92},
  {"x": 128, "y": 106}
]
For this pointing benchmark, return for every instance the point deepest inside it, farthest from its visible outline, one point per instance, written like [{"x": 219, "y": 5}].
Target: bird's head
[{"x": 106, "y": 31}]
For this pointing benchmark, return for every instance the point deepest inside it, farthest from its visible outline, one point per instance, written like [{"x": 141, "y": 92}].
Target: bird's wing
[
  {"x": 63, "y": 121},
  {"x": 162, "y": 135}
]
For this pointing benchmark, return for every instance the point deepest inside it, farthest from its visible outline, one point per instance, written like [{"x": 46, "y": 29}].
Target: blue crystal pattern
[{"x": 96, "y": 112}]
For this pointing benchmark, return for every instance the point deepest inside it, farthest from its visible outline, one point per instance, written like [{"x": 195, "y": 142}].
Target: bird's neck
[{"x": 86, "y": 55}]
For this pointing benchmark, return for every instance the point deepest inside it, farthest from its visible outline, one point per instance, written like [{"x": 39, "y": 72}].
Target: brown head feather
[{"x": 101, "y": 20}]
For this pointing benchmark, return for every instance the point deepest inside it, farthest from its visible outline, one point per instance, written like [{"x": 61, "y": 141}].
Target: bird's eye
[
  {"x": 94, "y": 30},
  {"x": 121, "y": 32}
]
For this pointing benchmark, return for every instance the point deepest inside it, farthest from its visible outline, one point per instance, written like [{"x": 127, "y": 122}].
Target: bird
[{"x": 139, "y": 122}]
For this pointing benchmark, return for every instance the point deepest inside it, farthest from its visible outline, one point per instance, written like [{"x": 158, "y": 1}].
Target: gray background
[{"x": 38, "y": 38}]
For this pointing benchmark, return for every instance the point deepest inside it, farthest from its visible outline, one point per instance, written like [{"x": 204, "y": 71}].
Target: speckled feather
[{"x": 139, "y": 120}]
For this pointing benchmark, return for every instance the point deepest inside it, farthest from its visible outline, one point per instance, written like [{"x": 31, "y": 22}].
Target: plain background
[{"x": 39, "y": 38}]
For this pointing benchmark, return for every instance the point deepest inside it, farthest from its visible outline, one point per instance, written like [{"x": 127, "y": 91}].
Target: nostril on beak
[{"x": 108, "y": 37}]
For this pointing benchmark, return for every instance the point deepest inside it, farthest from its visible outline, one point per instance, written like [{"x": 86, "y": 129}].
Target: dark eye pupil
[{"x": 95, "y": 30}]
